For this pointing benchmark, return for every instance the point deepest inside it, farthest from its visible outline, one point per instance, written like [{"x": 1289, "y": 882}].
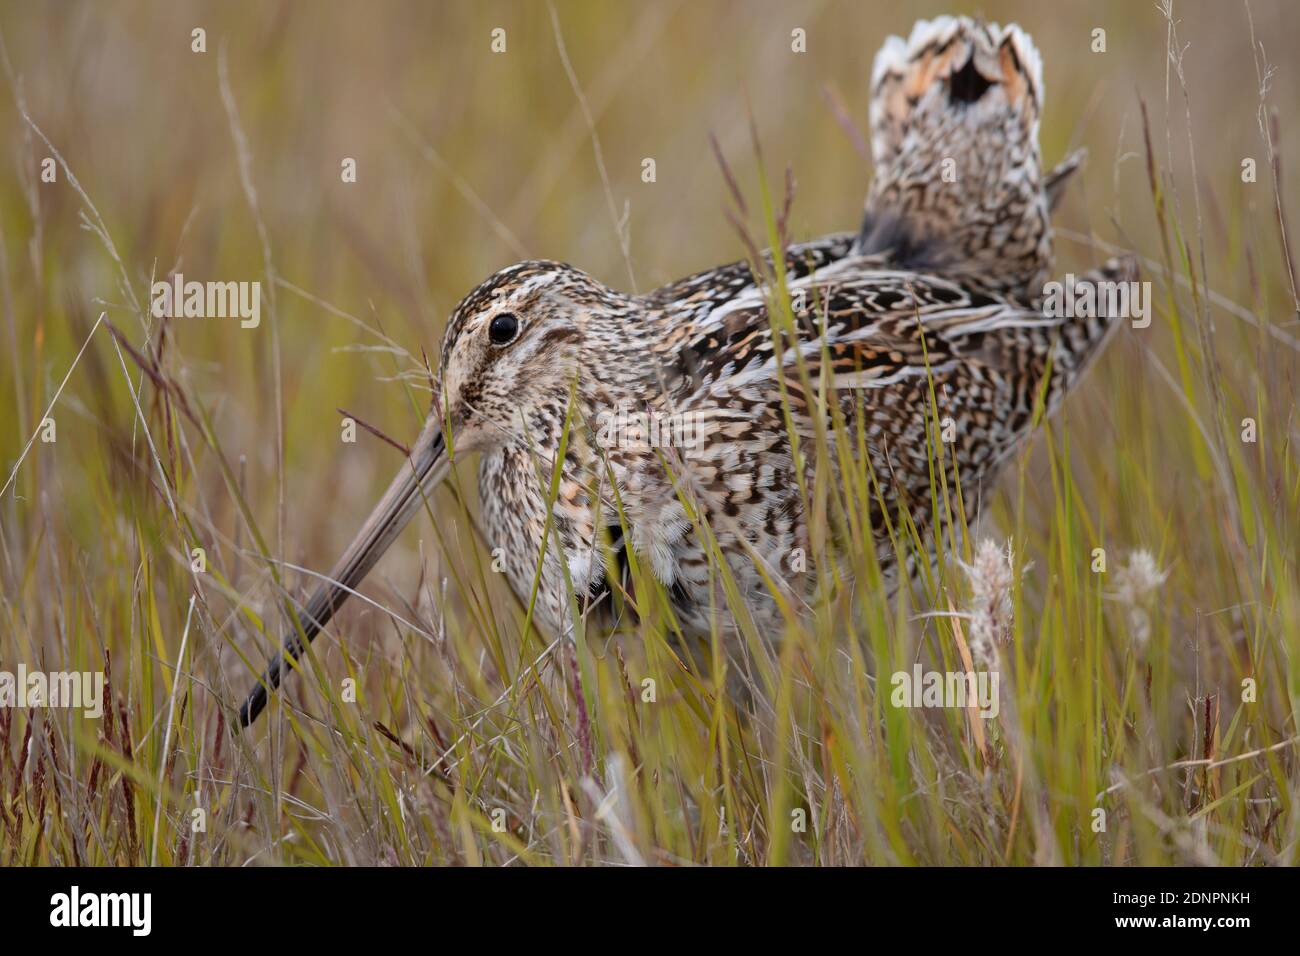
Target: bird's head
[
  {"x": 511, "y": 352},
  {"x": 510, "y": 355},
  {"x": 513, "y": 349}
]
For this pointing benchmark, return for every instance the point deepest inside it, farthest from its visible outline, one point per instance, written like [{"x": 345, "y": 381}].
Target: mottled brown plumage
[{"x": 941, "y": 286}]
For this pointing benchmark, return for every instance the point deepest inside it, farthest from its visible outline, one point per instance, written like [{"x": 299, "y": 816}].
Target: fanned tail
[{"x": 954, "y": 136}]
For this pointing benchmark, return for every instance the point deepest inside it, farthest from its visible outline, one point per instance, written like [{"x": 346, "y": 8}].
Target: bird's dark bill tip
[{"x": 252, "y": 707}]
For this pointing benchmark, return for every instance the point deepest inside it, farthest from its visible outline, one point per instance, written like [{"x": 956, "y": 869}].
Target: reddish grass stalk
[
  {"x": 218, "y": 740},
  {"x": 22, "y": 756},
  {"x": 128, "y": 791},
  {"x": 375, "y": 431},
  {"x": 6, "y": 724},
  {"x": 38, "y": 789},
  {"x": 584, "y": 722}
]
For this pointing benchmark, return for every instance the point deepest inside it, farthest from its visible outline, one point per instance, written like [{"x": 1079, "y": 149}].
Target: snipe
[{"x": 942, "y": 284}]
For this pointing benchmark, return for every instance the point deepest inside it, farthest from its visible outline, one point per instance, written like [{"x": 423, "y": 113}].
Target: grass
[{"x": 449, "y": 730}]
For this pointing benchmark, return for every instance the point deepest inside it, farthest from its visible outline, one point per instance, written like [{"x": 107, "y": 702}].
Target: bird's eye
[{"x": 503, "y": 328}]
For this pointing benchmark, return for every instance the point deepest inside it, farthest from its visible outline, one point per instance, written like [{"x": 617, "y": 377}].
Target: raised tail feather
[{"x": 954, "y": 138}]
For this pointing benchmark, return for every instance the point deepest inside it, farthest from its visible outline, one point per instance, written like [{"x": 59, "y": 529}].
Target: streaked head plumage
[{"x": 514, "y": 343}]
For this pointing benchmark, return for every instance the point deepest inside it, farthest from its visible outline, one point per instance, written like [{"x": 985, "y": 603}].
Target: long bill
[{"x": 427, "y": 466}]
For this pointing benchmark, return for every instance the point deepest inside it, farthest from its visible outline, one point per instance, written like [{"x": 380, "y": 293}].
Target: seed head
[
  {"x": 1135, "y": 583},
  {"x": 992, "y": 577}
]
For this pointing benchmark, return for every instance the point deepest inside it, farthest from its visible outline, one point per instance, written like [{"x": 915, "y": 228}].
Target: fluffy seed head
[
  {"x": 1134, "y": 585},
  {"x": 991, "y": 578}
]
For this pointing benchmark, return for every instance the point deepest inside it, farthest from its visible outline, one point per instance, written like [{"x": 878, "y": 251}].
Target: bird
[{"x": 553, "y": 378}]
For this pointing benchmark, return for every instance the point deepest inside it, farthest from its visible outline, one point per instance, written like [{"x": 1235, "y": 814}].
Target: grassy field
[{"x": 1148, "y": 710}]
